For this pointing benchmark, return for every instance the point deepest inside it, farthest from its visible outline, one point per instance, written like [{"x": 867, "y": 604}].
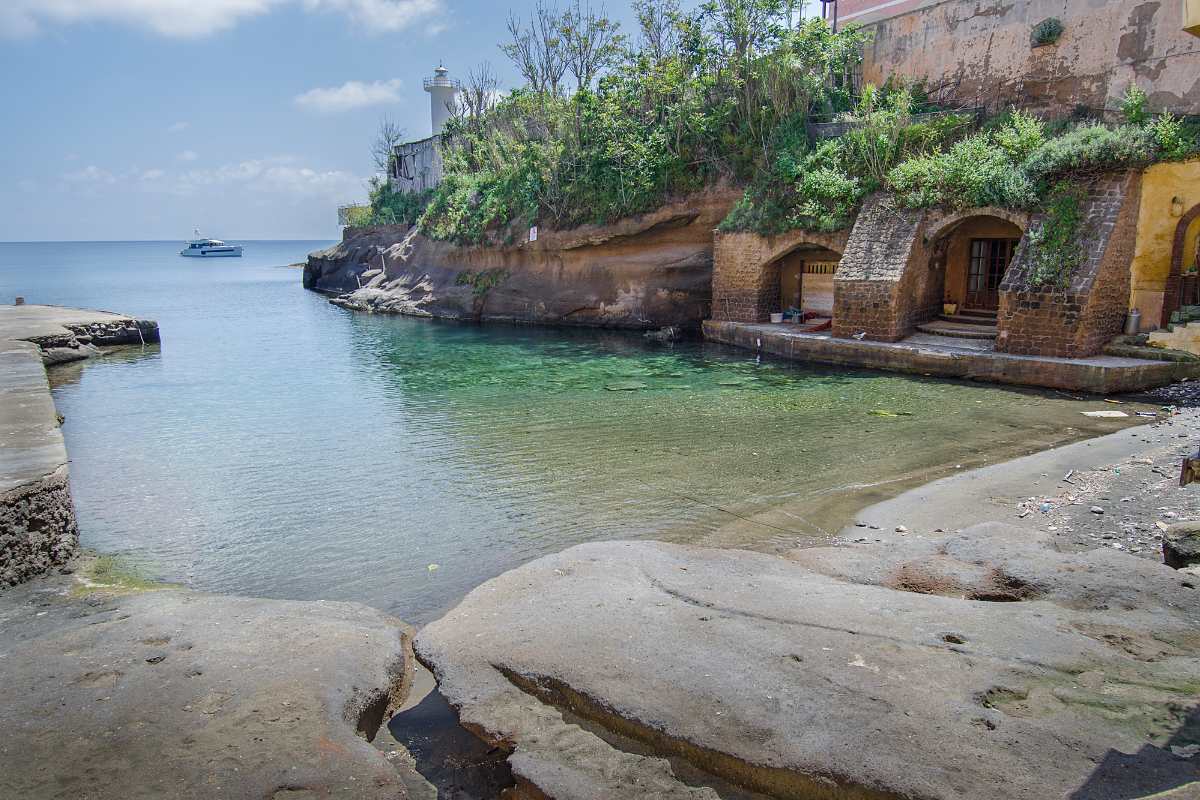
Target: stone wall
[
  {"x": 745, "y": 273},
  {"x": 983, "y": 50},
  {"x": 1076, "y": 322},
  {"x": 882, "y": 290},
  {"x": 37, "y": 518},
  {"x": 37, "y": 528},
  {"x": 417, "y": 166}
]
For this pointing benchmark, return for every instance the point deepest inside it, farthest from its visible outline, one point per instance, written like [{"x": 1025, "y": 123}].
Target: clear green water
[{"x": 276, "y": 445}]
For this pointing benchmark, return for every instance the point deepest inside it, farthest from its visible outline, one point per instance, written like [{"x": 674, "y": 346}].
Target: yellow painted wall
[{"x": 1157, "y": 222}]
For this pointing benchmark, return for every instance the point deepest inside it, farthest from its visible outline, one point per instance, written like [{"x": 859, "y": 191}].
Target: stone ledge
[
  {"x": 1097, "y": 375},
  {"x": 37, "y": 517}
]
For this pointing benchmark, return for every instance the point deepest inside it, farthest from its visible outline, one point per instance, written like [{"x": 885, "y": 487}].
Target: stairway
[{"x": 968, "y": 323}]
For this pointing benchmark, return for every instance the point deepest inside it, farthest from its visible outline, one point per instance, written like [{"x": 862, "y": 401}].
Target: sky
[{"x": 247, "y": 119}]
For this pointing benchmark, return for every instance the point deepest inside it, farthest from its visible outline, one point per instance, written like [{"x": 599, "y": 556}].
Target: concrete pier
[
  {"x": 954, "y": 358},
  {"x": 37, "y": 518}
]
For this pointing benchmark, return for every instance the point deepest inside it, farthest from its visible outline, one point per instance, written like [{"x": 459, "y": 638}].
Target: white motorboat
[{"x": 210, "y": 248}]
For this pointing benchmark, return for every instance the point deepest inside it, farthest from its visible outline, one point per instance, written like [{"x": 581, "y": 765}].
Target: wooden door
[{"x": 989, "y": 260}]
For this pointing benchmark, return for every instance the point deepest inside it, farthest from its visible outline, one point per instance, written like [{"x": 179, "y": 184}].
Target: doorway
[{"x": 989, "y": 260}]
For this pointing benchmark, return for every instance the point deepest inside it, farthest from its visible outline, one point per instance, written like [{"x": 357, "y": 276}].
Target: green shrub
[
  {"x": 1055, "y": 248},
  {"x": 1134, "y": 106},
  {"x": 1089, "y": 150},
  {"x": 820, "y": 188},
  {"x": 1048, "y": 31},
  {"x": 1175, "y": 139},
  {"x": 391, "y": 207},
  {"x": 980, "y": 170}
]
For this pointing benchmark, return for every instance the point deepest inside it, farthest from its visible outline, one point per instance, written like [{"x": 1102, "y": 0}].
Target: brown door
[{"x": 989, "y": 259}]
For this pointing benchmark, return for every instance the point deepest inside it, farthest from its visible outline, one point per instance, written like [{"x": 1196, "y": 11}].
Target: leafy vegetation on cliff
[
  {"x": 1013, "y": 161},
  {"x": 695, "y": 98},
  {"x": 734, "y": 91}
]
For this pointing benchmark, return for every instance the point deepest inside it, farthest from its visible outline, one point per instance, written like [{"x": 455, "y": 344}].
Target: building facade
[
  {"x": 417, "y": 166},
  {"x": 992, "y": 53},
  {"x": 898, "y": 273}
]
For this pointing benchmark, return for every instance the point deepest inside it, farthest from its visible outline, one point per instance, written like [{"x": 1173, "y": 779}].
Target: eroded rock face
[
  {"x": 1181, "y": 545},
  {"x": 185, "y": 695},
  {"x": 646, "y": 272},
  {"x": 976, "y": 665}
]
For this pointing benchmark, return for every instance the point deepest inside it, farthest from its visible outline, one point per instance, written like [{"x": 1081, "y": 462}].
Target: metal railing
[
  {"x": 442, "y": 82},
  {"x": 832, "y": 130}
]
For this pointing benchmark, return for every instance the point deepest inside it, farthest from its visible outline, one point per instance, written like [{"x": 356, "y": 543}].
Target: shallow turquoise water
[{"x": 277, "y": 445}]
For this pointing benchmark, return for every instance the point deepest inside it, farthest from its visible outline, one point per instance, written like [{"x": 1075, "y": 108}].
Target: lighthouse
[{"x": 443, "y": 94}]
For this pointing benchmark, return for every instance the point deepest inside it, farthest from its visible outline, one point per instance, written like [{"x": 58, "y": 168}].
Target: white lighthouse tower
[{"x": 443, "y": 94}]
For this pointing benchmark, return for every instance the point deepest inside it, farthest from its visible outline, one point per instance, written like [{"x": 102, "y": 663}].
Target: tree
[
  {"x": 537, "y": 49},
  {"x": 479, "y": 92},
  {"x": 745, "y": 30},
  {"x": 659, "y": 24},
  {"x": 591, "y": 42},
  {"x": 383, "y": 149}
]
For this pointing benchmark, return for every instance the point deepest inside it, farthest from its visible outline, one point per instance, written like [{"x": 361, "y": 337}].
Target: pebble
[
  {"x": 1096, "y": 510},
  {"x": 901, "y": 529}
]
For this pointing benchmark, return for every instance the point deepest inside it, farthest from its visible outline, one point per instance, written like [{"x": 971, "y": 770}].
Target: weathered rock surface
[
  {"x": 910, "y": 661},
  {"x": 183, "y": 695},
  {"x": 1181, "y": 545},
  {"x": 37, "y": 519},
  {"x": 645, "y": 272}
]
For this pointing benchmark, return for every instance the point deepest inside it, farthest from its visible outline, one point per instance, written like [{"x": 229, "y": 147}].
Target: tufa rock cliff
[{"x": 644, "y": 272}]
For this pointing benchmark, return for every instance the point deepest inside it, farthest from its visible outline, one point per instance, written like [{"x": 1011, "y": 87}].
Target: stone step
[
  {"x": 977, "y": 313},
  {"x": 959, "y": 329},
  {"x": 968, "y": 319}
]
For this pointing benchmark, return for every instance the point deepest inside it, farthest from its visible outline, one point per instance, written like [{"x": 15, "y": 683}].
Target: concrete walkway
[
  {"x": 954, "y": 358},
  {"x": 37, "y": 520}
]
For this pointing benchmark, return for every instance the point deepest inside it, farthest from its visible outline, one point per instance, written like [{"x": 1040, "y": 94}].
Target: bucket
[
  {"x": 777, "y": 317},
  {"x": 1133, "y": 322}
]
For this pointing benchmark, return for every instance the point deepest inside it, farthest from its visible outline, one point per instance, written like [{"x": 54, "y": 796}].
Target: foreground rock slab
[
  {"x": 795, "y": 684},
  {"x": 916, "y": 659},
  {"x": 176, "y": 694}
]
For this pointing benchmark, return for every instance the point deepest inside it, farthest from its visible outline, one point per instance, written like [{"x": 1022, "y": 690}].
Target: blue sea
[{"x": 277, "y": 445}]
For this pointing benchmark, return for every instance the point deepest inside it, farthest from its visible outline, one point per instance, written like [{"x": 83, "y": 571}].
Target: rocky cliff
[{"x": 644, "y": 272}]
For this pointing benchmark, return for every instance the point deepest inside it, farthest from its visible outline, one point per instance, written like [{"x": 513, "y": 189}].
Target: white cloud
[
  {"x": 350, "y": 95},
  {"x": 198, "y": 18},
  {"x": 179, "y": 127},
  {"x": 188, "y": 155},
  {"x": 280, "y": 175},
  {"x": 380, "y": 15},
  {"x": 90, "y": 174},
  {"x": 177, "y": 18},
  {"x": 279, "y": 178}
]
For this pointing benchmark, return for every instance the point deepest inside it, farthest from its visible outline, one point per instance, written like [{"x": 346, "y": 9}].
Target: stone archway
[
  {"x": 1187, "y": 231},
  {"x": 749, "y": 270},
  {"x": 971, "y": 251},
  {"x": 801, "y": 280}
]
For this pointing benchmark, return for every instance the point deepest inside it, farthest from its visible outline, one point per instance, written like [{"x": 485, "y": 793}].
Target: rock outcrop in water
[{"x": 640, "y": 273}]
